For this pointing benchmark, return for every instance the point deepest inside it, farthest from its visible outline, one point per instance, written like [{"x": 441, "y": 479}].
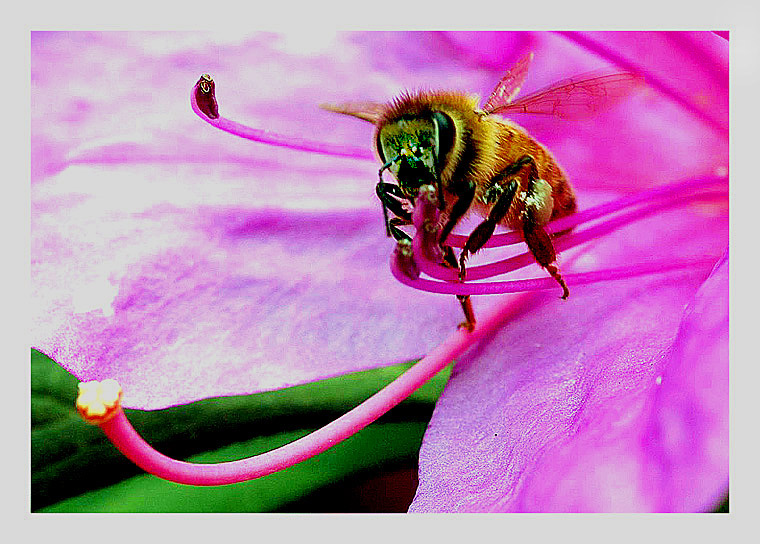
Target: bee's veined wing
[
  {"x": 577, "y": 97},
  {"x": 506, "y": 90},
  {"x": 367, "y": 111}
]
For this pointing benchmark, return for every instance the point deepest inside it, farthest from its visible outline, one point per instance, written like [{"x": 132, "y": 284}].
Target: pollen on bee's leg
[
  {"x": 404, "y": 257},
  {"x": 98, "y": 402}
]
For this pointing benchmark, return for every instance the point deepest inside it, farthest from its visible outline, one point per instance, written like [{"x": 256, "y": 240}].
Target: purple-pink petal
[
  {"x": 615, "y": 400},
  {"x": 255, "y": 299},
  {"x": 686, "y": 440},
  {"x": 185, "y": 262},
  {"x": 556, "y": 412},
  {"x": 654, "y": 137}
]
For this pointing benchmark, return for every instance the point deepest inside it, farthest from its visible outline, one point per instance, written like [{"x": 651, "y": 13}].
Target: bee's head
[{"x": 412, "y": 148}]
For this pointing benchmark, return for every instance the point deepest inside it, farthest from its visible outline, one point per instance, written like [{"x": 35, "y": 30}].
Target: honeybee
[{"x": 480, "y": 162}]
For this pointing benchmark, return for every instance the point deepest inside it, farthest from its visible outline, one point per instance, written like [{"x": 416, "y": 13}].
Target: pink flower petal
[
  {"x": 250, "y": 299},
  {"x": 188, "y": 264},
  {"x": 652, "y": 138},
  {"x": 686, "y": 441},
  {"x": 555, "y": 413}
]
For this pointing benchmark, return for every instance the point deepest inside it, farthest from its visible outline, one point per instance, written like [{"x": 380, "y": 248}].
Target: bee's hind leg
[
  {"x": 537, "y": 239},
  {"x": 484, "y": 231},
  {"x": 502, "y": 196},
  {"x": 464, "y": 300}
]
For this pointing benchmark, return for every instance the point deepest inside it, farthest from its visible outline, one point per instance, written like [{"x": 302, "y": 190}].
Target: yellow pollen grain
[
  {"x": 98, "y": 401},
  {"x": 96, "y": 409}
]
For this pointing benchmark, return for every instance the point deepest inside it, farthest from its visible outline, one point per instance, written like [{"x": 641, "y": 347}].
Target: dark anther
[{"x": 205, "y": 97}]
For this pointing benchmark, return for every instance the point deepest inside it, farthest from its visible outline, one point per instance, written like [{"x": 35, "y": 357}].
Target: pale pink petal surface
[{"x": 187, "y": 263}]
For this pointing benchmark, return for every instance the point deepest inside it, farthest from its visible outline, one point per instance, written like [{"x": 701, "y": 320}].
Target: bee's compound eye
[{"x": 446, "y": 132}]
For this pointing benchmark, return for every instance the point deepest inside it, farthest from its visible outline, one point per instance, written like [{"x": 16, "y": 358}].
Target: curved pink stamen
[
  {"x": 638, "y": 206},
  {"x": 674, "y": 190},
  {"x": 271, "y": 138},
  {"x": 540, "y": 284}
]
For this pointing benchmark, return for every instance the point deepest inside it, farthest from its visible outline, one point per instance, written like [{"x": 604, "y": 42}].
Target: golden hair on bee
[{"x": 473, "y": 143}]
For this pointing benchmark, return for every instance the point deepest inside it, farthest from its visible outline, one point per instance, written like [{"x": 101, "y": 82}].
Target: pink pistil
[{"x": 132, "y": 445}]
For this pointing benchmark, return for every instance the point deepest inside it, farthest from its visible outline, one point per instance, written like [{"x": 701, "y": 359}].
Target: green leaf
[
  {"x": 722, "y": 508},
  {"x": 71, "y": 460}
]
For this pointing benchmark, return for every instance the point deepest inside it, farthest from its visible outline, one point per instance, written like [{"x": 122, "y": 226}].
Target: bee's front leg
[
  {"x": 387, "y": 193},
  {"x": 465, "y": 194},
  {"x": 396, "y": 232}
]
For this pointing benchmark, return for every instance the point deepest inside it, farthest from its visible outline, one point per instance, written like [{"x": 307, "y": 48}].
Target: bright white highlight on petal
[
  {"x": 97, "y": 295},
  {"x": 307, "y": 43}
]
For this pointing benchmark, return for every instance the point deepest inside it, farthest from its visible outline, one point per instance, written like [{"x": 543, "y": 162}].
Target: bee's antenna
[
  {"x": 385, "y": 208},
  {"x": 386, "y": 166}
]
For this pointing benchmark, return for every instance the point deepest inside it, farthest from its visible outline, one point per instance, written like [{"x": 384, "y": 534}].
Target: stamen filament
[
  {"x": 540, "y": 284},
  {"x": 134, "y": 447},
  {"x": 654, "y": 200},
  {"x": 681, "y": 189},
  {"x": 205, "y": 85},
  {"x": 587, "y": 41}
]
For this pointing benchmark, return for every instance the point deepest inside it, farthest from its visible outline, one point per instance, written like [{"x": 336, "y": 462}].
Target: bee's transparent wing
[
  {"x": 509, "y": 86},
  {"x": 577, "y": 97},
  {"x": 367, "y": 111}
]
